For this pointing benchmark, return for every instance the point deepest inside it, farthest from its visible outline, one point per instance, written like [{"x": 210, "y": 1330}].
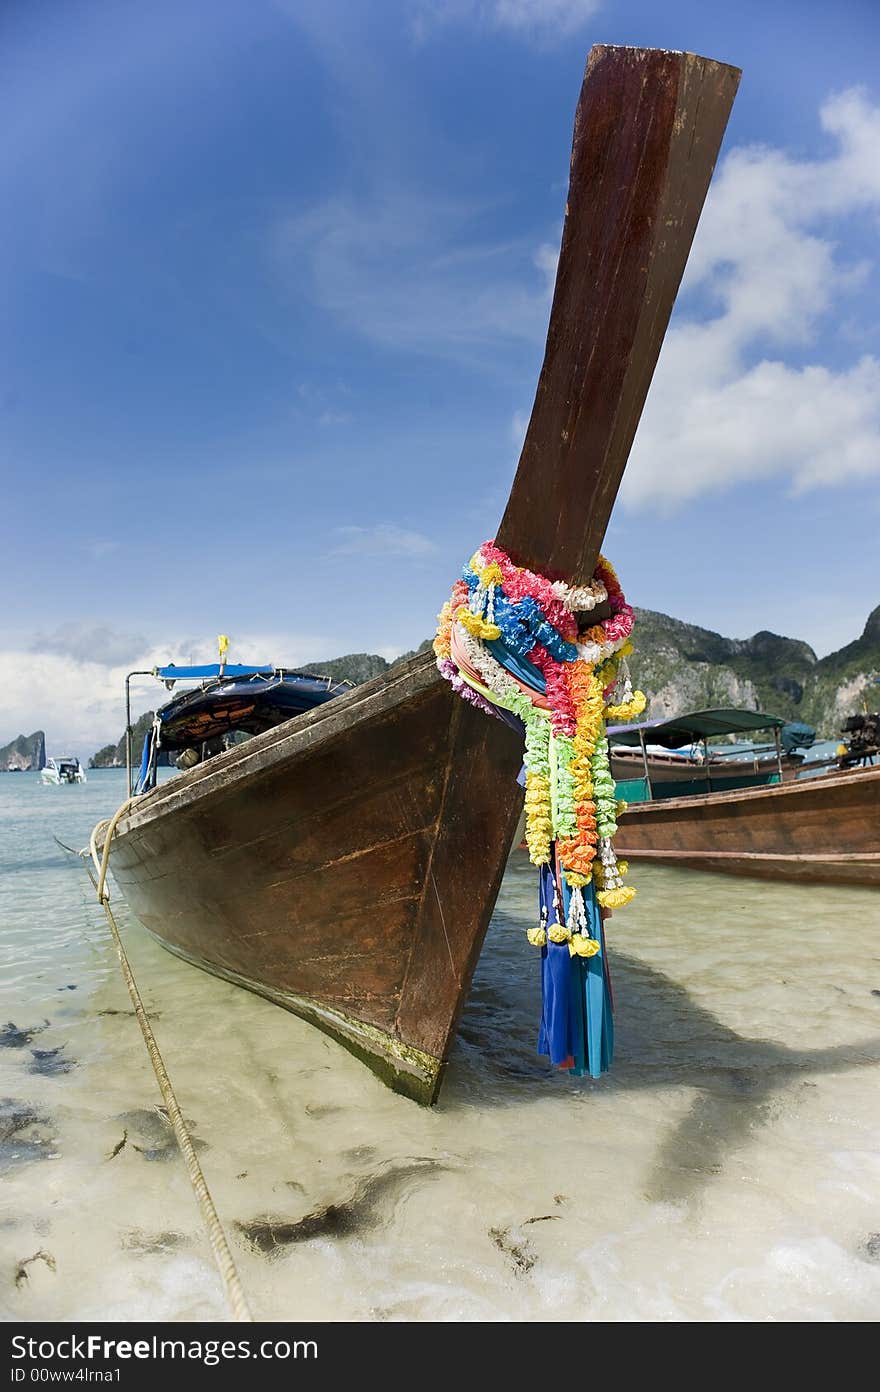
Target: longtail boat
[
  {"x": 345, "y": 863},
  {"x": 652, "y": 749},
  {"x": 824, "y": 827}
]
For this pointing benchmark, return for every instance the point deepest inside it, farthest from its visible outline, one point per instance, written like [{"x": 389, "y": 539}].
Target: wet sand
[{"x": 728, "y": 1168}]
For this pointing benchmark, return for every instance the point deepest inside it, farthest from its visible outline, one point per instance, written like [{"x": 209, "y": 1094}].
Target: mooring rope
[{"x": 213, "y": 1227}]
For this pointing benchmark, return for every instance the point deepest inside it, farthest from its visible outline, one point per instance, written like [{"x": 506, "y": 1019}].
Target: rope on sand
[{"x": 214, "y": 1228}]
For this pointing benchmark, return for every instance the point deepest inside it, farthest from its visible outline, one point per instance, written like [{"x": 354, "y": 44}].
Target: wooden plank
[
  {"x": 834, "y": 870},
  {"x": 824, "y": 828},
  {"x": 647, "y": 132},
  {"x": 814, "y": 859},
  {"x": 474, "y": 835}
]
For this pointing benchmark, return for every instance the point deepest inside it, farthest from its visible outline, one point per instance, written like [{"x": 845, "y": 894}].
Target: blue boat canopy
[
  {"x": 213, "y": 669},
  {"x": 226, "y": 708},
  {"x": 698, "y": 725}
]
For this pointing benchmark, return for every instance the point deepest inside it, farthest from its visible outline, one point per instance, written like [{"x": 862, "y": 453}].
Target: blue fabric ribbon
[
  {"x": 577, "y": 1012},
  {"x": 517, "y": 666}
]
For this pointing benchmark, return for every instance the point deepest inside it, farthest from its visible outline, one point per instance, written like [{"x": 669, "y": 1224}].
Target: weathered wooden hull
[
  {"x": 345, "y": 865},
  {"x": 816, "y": 829}
]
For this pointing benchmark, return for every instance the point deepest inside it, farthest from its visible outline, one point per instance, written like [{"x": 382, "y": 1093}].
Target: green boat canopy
[{"x": 698, "y": 725}]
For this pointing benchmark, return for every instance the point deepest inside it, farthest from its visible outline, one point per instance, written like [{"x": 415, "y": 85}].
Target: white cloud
[
  {"x": 725, "y": 405},
  {"x": 91, "y": 643},
  {"x": 411, "y": 273},
  {"x": 381, "y": 540},
  {"x": 80, "y": 702},
  {"x": 518, "y": 427},
  {"x": 321, "y": 402},
  {"x": 541, "y": 19},
  {"x": 814, "y": 426},
  {"x": 390, "y": 652},
  {"x": 546, "y": 258}
]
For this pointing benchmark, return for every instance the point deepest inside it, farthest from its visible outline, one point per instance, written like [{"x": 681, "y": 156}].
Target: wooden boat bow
[{"x": 346, "y": 863}]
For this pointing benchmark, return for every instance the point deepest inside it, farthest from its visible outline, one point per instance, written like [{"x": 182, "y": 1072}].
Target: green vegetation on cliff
[
  {"x": 355, "y": 667},
  {"x": 682, "y": 667},
  {"x": 843, "y": 681},
  {"x": 113, "y": 755},
  {"x": 358, "y": 667}
]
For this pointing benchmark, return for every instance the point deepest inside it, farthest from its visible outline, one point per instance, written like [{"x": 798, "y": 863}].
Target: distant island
[{"x": 24, "y": 754}]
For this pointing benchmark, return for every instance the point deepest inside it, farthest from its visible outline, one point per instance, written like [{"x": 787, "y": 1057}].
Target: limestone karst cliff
[
  {"x": 683, "y": 667},
  {"x": 24, "y": 753}
]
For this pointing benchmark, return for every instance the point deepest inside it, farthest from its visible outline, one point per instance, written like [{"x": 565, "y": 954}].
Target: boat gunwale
[
  {"x": 292, "y": 740},
  {"x": 843, "y": 858},
  {"x": 715, "y": 799}
]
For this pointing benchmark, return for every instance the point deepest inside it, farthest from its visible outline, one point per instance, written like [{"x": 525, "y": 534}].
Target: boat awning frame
[
  {"x": 697, "y": 725},
  {"x": 211, "y": 669}
]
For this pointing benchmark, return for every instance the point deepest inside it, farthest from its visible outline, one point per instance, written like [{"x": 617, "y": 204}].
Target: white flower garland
[
  {"x": 496, "y": 678},
  {"x": 580, "y": 598},
  {"x": 596, "y": 653}
]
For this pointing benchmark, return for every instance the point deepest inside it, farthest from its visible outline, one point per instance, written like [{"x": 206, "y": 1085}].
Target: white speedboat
[{"x": 63, "y": 771}]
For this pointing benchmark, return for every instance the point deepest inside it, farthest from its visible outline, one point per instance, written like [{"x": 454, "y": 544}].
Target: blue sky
[{"x": 274, "y": 289}]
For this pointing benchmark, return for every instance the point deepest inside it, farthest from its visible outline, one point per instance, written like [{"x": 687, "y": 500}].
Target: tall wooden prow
[{"x": 647, "y": 132}]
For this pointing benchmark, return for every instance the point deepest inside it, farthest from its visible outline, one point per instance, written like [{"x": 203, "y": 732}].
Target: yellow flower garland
[
  {"x": 627, "y": 710},
  {"x": 478, "y": 626},
  {"x": 539, "y": 821}
]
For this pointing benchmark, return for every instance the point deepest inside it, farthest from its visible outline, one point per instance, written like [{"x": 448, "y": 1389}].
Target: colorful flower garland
[{"x": 512, "y": 638}]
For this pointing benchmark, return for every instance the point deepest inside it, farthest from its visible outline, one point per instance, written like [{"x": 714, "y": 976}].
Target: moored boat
[
  {"x": 677, "y": 750},
  {"x": 812, "y": 829},
  {"x": 345, "y": 863},
  {"x": 767, "y": 824},
  {"x": 221, "y": 706},
  {"x": 64, "y": 770}
]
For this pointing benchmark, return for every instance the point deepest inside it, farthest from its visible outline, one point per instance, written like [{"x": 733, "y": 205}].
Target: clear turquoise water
[{"x": 727, "y": 1169}]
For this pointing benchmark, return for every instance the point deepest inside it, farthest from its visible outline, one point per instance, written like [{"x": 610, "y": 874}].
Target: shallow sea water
[{"x": 727, "y": 1169}]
